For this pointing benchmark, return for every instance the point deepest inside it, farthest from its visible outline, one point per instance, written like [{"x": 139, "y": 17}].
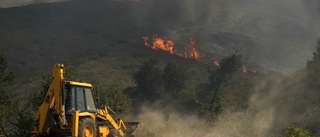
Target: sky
[{"x": 14, "y": 3}]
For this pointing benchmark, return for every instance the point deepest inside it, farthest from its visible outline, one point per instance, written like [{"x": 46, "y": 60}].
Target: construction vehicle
[{"x": 69, "y": 109}]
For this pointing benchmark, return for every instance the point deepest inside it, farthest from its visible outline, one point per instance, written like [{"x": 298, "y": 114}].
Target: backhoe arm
[
  {"x": 52, "y": 109},
  {"x": 119, "y": 125}
]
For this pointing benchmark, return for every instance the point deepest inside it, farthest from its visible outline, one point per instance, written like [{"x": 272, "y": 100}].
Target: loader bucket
[{"x": 132, "y": 127}]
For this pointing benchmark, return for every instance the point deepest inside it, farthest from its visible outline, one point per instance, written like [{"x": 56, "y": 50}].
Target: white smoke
[{"x": 272, "y": 106}]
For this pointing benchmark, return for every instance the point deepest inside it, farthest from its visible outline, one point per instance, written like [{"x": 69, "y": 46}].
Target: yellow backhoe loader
[{"x": 68, "y": 110}]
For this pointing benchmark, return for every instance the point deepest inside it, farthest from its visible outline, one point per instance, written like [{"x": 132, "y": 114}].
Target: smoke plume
[
  {"x": 273, "y": 35},
  {"x": 274, "y": 104}
]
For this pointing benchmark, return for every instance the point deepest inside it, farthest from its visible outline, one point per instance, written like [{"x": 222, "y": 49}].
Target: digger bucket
[{"x": 132, "y": 127}]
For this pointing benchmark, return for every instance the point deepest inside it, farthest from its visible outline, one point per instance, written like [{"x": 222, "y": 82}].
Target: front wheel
[{"x": 87, "y": 128}]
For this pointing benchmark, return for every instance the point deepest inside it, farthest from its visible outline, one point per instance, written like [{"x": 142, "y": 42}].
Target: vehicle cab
[{"x": 78, "y": 96}]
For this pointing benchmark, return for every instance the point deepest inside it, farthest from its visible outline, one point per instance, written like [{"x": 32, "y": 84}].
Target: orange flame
[
  {"x": 165, "y": 44},
  {"x": 216, "y": 63},
  {"x": 145, "y": 41},
  {"x": 244, "y": 69},
  {"x": 253, "y": 71},
  {"x": 162, "y": 44},
  {"x": 191, "y": 51},
  {"x": 159, "y": 43}
]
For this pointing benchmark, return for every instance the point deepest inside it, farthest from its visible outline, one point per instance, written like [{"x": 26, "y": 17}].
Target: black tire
[
  {"x": 114, "y": 133},
  {"x": 87, "y": 128}
]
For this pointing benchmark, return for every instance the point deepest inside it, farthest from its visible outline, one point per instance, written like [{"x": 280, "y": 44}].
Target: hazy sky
[{"x": 13, "y": 3}]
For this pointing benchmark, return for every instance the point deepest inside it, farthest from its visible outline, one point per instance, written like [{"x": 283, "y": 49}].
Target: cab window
[{"x": 79, "y": 98}]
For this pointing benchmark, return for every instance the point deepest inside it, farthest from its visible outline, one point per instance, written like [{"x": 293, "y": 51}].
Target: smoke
[
  {"x": 273, "y": 35},
  {"x": 277, "y": 35},
  {"x": 277, "y": 101},
  {"x": 229, "y": 124},
  {"x": 160, "y": 123}
]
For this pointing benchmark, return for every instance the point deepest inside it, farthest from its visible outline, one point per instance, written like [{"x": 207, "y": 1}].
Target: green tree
[
  {"x": 153, "y": 83},
  {"x": 209, "y": 101},
  {"x": 314, "y": 64},
  {"x": 313, "y": 68},
  {"x": 20, "y": 119},
  {"x": 15, "y": 117},
  {"x": 293, "y": 131},
  {"x": 209, "y": 111},
  {"x": 227, "y": 66},
  {"x": 6, "y": 79},
  {"x": 173, "y": 78},
  {"x": 112, "y": 96},
  {"x": 148, "y": 81}
]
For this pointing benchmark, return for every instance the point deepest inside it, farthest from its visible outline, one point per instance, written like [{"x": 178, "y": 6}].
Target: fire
[
  {"x": 166, "y": 44},
  {"x": 244, "y": 69},
  {"x": 162, "y": 44},
  {"x": 253, "y": 71},
  {"x": 216, "y": 63},
  {"x": 145, "y": 41},
  {"x": 191, "y": 51}
]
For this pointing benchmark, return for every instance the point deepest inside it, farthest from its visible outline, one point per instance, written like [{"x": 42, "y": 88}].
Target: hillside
[
  {"x": 103, "y": 40},
  {"x": 34, "y": 37}
]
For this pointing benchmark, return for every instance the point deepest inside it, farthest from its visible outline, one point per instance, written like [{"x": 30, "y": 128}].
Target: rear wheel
[{"x": 87, "y": 128}]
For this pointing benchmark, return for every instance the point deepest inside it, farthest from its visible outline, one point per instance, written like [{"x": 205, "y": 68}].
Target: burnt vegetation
[{"x": 102, "y": 42}]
